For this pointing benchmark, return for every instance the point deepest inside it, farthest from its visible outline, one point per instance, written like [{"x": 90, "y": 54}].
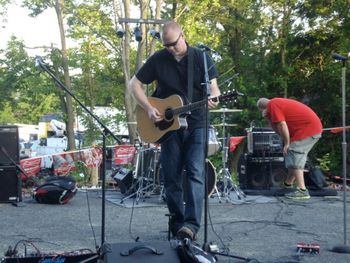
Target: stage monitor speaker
[
  {"x": 124, "y": 179},
  {"x": 137, "y": 252},
  {"x": 10, "y": 185},
  {"x": 261, "y": 174},
  {"x": 9, "y": 142}
]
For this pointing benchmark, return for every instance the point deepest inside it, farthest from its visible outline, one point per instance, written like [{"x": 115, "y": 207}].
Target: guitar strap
[{"x": 190, "y": 74}]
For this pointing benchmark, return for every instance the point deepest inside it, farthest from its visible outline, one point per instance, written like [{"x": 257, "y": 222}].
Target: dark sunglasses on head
[{"x": 174, "y": 43}]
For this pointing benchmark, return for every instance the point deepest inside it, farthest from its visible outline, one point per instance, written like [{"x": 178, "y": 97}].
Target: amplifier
[
  {"x": 10, "y": 185},
  {"x": 259, "y": 173},
  {"x": 263, "y": 140},
  {"x": 265, "y": 159},
  {"x": 9, "y": 145}
]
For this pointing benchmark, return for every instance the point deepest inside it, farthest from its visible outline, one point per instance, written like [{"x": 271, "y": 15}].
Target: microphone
[
  {"x": 38, "y": 61},
  {"x": 206, "y": 48},
  {"x": 336, "y": 56},
  {"x": 229, "y": 80},
  {"x": 238, "y": 93}
]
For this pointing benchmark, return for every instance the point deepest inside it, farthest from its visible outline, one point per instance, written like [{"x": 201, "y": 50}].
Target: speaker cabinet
[
  {"x": 260, "y": 173},
  {"x": 9, "y": 145},
  {"x": 10, "y": 185},
  {"x": 124, "y": 179}
]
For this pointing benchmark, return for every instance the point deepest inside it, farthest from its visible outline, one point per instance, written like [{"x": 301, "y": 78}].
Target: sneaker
[
  {"x": 298, "y": 195},
  {"x": 287, "y": 186},
  {"x": 185, "y": 232}
]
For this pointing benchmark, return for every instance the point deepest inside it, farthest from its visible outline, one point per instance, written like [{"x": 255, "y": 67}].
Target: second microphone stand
[{"x": 104, "y": 131}]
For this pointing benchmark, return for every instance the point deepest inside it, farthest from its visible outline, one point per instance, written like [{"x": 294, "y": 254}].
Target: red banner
[
  {"x": 92, "y": 157},
  {"x": 63, "y": 163},
  {"x": 340, "y": 129},
  {"x": 124, "y": 154},
  {"x": 234, "y": 141},
  {"x": 30, "y": 166}
]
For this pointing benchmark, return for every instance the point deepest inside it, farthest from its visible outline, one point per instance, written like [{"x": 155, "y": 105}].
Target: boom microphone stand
[
  {"x": 104, "y": 131},
  {"x": 343, "y": 248},
  {"x": 207, "y": 93}
]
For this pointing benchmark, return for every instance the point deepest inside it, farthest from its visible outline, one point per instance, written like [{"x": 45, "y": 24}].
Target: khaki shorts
[{"x": 297, "y": 152}]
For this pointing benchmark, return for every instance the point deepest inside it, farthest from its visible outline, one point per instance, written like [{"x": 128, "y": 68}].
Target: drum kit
[
  {"x": 224, "y": 174},
  {"x": 147, "y": 179}
]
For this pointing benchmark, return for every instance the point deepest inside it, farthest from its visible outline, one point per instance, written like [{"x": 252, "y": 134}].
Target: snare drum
[{"x": 213, "y": 142}]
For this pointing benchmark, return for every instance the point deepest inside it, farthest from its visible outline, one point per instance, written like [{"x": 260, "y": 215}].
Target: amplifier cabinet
[
  {"x": 10, "y": 185},
  {"x": 9, "y": 142},
  {"x": 261, "y": 173}
]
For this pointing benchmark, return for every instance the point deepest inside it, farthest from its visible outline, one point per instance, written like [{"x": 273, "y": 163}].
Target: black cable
[
  {"x": 215, "y": 233},
  {"x": 130, "y": 221},
  {"x": 89, "y": 216}
]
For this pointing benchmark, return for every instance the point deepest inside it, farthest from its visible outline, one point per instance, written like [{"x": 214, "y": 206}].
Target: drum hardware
[
  {"x": 211, "y": 182},
  {"x": 214, "y": 144},
  {"x": 225, "y": 124},
  {"x": 144, "y": 174},
  {"x": 224, "y": 110},
  {"x": 224, "y": 172}
]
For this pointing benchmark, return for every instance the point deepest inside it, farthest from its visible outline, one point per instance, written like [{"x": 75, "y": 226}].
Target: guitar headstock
[{"x": 230, "y": 95}]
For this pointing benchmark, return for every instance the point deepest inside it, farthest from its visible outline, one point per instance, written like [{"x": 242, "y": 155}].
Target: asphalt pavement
[{"x": 265, "y": 228}]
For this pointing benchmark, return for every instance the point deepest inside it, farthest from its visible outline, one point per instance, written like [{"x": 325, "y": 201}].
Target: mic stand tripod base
[
  {"x": 230, "y": 185},
  {"x": 345, "y": 249}
]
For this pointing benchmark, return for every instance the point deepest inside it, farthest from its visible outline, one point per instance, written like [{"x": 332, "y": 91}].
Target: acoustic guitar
[{"x": 171, "y": 108}]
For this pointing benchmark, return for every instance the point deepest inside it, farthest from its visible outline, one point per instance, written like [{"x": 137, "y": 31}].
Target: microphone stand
[
  {"x": 206, "y": 245},
  {"x": 207, "y": 93},
  {"x": 343, "y": 248},
  {"x": 104, "y": 131}
]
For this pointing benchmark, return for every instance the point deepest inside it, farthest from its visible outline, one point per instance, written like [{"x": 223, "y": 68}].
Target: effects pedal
[{"x": 312, "y": 248}]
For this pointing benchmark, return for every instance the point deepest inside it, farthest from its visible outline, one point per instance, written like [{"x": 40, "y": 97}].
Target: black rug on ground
[{"x": 139, "y": 252}]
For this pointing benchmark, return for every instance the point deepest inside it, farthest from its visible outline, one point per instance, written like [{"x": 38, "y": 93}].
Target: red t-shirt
[{"x": 301, "y": 120}]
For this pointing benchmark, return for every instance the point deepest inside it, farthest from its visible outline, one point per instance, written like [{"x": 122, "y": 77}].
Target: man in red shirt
[{"x": 299, "y": 128}]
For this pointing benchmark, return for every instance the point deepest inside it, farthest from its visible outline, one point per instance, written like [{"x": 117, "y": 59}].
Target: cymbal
[
  {"x": 226, "y": 110},
  {"x": 225, "y": 124}
]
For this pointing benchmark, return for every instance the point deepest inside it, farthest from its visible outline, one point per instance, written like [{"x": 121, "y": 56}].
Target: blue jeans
[{"x": 184, "y": 150}]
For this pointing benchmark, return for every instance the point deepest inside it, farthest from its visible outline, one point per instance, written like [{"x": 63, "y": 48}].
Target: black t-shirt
[{"x": 171, "y": 77}]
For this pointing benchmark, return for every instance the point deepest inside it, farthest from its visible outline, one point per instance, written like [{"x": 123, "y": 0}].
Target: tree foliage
[{"x": 273, "y": 48}]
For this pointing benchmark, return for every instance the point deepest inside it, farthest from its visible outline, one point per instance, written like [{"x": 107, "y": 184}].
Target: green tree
[
  {"x": 26, "y": 93},
  {"x": 37, "y": 7}
]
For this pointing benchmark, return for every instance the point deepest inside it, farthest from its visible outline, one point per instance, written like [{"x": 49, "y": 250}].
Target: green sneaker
[
  {"x": 287, "y": 186},
  {"x": 298, "y": 195}
]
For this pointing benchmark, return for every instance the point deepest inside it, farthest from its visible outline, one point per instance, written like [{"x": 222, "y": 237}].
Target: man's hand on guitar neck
[{"x": 212, "y": 104}]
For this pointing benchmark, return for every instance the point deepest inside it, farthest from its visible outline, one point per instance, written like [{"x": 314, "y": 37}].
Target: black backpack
[{"x": 56, "y": 190}]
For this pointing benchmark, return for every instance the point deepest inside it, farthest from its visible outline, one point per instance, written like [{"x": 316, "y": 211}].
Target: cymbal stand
[
  {"x": 224, "y": 171},
  {"x": 144, "y": 184}
]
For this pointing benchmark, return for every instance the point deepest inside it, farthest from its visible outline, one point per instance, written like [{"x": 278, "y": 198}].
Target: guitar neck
[{"x": 190, "y": 107}]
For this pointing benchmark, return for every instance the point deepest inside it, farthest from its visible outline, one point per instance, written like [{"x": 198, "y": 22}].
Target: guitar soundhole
[
  {"x": 168, "y": 115},
  {"x": 163, "y": 125}
]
